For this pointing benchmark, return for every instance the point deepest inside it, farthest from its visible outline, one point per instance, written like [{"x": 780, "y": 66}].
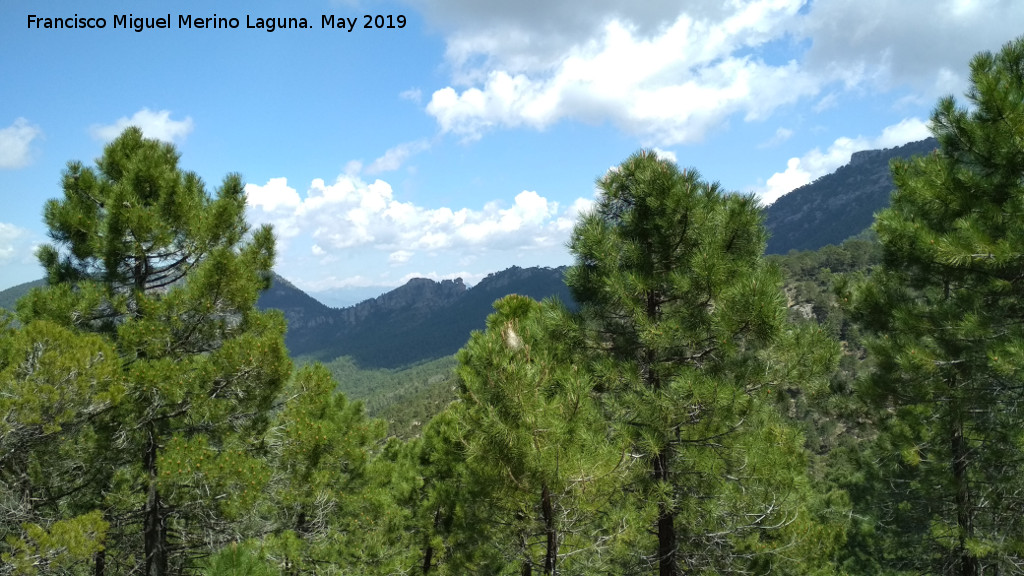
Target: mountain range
[
  {"x": 421, "y": 320},
  {"x": 425, "y": 319}
]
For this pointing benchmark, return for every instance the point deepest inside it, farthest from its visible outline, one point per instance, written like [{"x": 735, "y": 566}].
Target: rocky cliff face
[{"x": 414, "y": 299}]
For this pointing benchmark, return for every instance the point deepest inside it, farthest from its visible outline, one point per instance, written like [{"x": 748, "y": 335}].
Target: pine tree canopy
[
  {"x": 690, "y": 322},
  {"x": 146, "y": 258},
  {"x": 947, "y": 309}
]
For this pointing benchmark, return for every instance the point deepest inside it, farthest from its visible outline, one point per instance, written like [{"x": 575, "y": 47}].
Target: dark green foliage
[
  {"x": 145, "y": 258},
  {"x": 381, "y": 388},
  {"x": 405, "y": 398},
  {"x": 319, "y": 506},
  {"x": 536, "y": 453},
  {"x": 672, "y": 284},
  {"x": 57, "y": 386},
  {"x": 946, "y": 311}
]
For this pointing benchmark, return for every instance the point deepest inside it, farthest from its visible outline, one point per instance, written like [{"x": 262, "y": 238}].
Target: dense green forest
[{"x": 704, "y": 409}]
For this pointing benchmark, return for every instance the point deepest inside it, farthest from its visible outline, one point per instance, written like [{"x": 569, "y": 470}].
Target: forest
[{"x": 704, "y": 410}]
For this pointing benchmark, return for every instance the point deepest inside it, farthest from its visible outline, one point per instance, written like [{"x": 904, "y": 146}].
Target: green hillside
[
  {"x": 9, "y": 297},
  {"x": 839, "y": 205}
]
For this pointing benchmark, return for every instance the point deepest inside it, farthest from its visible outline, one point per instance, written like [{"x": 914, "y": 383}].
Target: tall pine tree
[
  {"x": 678, "y": 299},
  {"x": 947, "y": 309},
  {"x": 536, "y": 451},
  {"x": 144, "y": 256}
]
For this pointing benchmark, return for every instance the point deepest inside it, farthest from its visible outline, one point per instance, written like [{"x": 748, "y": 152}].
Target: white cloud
[
  {"x": 9, "y": 236},
  {"x": 16, "y": 144},
  {"x": 412, "y": 94},
  {"x": 814, "y": 164},
  {"x": 275, "y": 195},
  {"x": 781, "y": 135},
  {"x": 670, "y": 87},
  {"x": 895, "y": 43},
  {"x": 17, "y": 245},
  {"x": 665, "y": 155},
  {"x": 395, "y": 157},
  {"x": 670, "y": 73},
  {"x": 157, "y": 125},
  {"x": 400, "y": 256},
  {"x": 353, "y": 167},
  {"x": 351, "y": 215}
]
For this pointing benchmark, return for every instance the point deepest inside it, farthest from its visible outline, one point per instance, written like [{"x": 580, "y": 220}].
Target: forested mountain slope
[
  {"x": 10, "y": 296},
  {"x": 419, "y": 321},
  {"x": 838, "y": 205}
]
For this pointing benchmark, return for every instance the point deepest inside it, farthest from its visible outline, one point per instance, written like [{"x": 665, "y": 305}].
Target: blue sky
[{"x": 468, "y": 140}]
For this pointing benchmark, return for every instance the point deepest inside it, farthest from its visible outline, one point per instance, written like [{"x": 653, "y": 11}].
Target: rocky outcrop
[
  {"x": 420, "y": 320},
  {"x": 414, "y": 299}
]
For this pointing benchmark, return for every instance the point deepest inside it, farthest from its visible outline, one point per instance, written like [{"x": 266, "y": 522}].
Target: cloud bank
[
  {"x": 671, "y": 73},
  {"x": 351, "y": 215}
]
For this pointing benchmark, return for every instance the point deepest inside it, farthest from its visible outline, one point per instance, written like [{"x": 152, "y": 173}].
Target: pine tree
[
  {"x": 56, "y": 385},
  {"x": 434, "y": 504},
  {"x": 143, "y": 256},
  {"x": 534, "y": 439},
  {"x": 680, "y": 303},
  {"x": 321, "y": 506},
  {"x": 947, "y": 307}
]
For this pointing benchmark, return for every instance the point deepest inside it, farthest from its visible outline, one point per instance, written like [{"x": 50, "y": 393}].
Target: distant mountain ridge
[
  {"x": 425, "y": 319},
  {"x": 418, "y": 321},
  {"x": 839, "y": 205}
]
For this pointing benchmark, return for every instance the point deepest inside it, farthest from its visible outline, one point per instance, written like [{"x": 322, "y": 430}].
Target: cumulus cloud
[
  {"x": 16, "y": 144},
  {"x": 275, "y": 195},
  {"x": 668, "y": 88},
  {"x": 814, "y": 164},
  {"x": 157, "y": 125},
  {"x": 400, "y": 256},
  {"x": 670, "y": 73},
  {"x": 354, "y": 214},
  {"x": 665, "y": 155}
]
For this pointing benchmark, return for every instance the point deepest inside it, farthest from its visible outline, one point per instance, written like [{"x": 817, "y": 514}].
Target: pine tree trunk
[
  {"x": 100, "y": 565},
  {"x": 547, "y": 509},
  {"x": 428, "y": 551},
  {"x": 526, "y": 569},
  {"x": 428, "y": 559},
  {"x": 667, "y": 565},
  {"x": 969, "y": 565},
  {"x": 154, "y": 530},
  {"x": 666, "y": 522}
]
